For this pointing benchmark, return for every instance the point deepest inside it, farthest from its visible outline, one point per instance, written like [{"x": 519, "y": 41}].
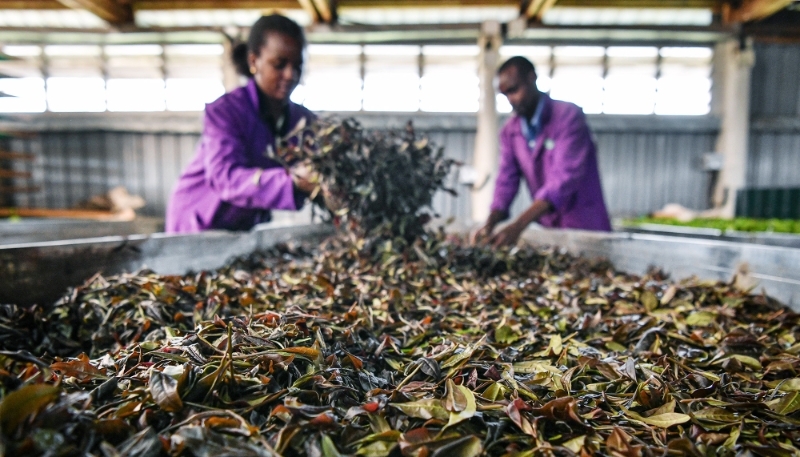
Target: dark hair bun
[{"x": 239, "y": 57}]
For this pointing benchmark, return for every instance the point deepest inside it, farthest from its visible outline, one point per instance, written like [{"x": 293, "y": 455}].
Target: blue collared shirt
[{"x": 533, "y": 126}]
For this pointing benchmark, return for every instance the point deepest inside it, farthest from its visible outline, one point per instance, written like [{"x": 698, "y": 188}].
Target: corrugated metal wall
[
  {"x": 73, "y": 166},
  {"x": 775, "y": 88},
  {"x": 645, "y": 162},
  {"x": 774, "y": 159},
  {"x": 643, "y": 171}
]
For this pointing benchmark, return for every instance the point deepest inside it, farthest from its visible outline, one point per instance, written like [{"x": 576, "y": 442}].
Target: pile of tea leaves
[
  {"x": 383, "y": 348},
  {"x": 382, "y": 181}
]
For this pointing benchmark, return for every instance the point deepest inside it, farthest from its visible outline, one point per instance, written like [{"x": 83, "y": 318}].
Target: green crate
[{"x": 769, "y": 203}]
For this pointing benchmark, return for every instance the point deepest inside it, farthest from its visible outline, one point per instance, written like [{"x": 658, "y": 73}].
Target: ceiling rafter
[
  {"x": 31, "y": 5},
  {"x": 214, "y": 4},
  {"x": 533, "y": 10},
  {"x": 327, "y": 10},
  {"x": 422, "y": 3},
  {"x": 320, "y": 11},
  {"x": 310, "y": 9},
  {"x": 672, "y": 4},
  {"x": 107, "y": 10},
  {"x": 751, "y": 10}
]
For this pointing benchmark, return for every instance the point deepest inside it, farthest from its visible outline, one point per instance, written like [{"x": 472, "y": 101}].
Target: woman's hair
[{"x": 274, "y": 23}]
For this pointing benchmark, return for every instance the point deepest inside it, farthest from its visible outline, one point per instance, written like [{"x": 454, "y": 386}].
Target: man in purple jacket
[
  {"x": 548, "y": 143},
  {"x": 232, "y": 183}
]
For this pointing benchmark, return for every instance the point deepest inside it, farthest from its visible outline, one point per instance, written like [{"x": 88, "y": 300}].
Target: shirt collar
[
  {"x": 532, "y": 127},
  {"x": 536, "y": 120},
  {"x": 280, "y": 126}
]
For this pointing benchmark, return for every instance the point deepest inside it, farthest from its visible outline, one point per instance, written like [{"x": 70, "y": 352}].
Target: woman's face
[{"x": 277, "y": 66}]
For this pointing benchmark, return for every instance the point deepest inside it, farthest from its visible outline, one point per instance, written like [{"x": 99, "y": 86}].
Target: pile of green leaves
[
  {"x": 374, "y": 347},
  {"x": 384, "y": 180},
  {"x": 738, "y": 224}
]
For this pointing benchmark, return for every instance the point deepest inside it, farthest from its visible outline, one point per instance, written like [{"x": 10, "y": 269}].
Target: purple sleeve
[
  {"x": 507, "y": 184},
  {"x": 228, "y": 173},
  {"x": 570, "y": 153}
]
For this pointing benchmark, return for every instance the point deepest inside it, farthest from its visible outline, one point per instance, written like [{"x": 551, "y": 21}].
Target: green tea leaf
[
  {"x": 24, "y": 402},
  {"x": 505, "y": 335},
  {"x": 649, "y": 300},
  {"x": 748, "y": 361},
  {"x": 715, "y": 415},
  {"x": 701, "y": 319},
  {"x": 328, "y": 448},
  {"x": 730, "y": 443},
  {"x": 664, "y": 420},
  {"x": 575, "y": 444},
  {"x": 494, "y": 392},
  {"x": 429, "y": 408},
  {"x": 788, "y": 404},
  {"x": 785, "y": 385}
]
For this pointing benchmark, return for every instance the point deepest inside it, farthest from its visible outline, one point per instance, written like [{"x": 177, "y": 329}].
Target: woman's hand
[
  {"x": 304, "y": 177},
  {"x": 333, "y": 201}
]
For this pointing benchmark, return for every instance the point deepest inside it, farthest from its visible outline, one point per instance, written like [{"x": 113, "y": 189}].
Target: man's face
[{"x": 520, "y": 90}]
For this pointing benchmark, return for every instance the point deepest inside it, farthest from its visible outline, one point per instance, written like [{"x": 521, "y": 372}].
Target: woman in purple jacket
[{"x": 232, "y": 183}]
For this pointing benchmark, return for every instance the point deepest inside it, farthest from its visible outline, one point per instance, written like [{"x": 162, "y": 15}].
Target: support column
[
  {"x": 733, "y": 67},
  {"x": 485, "y": 158}
]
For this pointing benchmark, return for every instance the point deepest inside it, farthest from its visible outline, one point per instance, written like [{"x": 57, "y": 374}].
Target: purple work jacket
[
  {"x": 561, "y": 168},
  {"x": 231, "y": 183}
]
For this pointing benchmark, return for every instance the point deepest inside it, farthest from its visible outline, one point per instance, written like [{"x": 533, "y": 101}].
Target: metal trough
[
  {"x": 765, "y": 238},
  {"x": 42, "y": 272},
  {"x": 35, "y": 230}
]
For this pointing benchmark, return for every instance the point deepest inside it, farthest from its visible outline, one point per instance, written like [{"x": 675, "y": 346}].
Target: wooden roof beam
[
  {"x": 31, "y": 5},
  {"x": 751, "y": 10},
  {"x": 533, "y": 10},
  {"x": 320, "y": 11},
  {"x": 107, "y": 10},
  {"x": 310, "y": 9},
  {"x": 690, "y": 4},
  {"x": 327, "y": 10},
  {"x": 422, "y": 3},
  {"x": 213, "y": 4}
]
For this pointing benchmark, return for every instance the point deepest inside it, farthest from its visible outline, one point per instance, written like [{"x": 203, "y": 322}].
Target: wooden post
[
  {"x": 733, "y": 67},
  {"x": 485, "y": 158}
]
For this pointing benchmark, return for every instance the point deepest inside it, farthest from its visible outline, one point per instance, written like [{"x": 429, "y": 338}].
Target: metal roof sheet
[
  {"x": 50, "y": 19},
  {"x": 627, "y": 16}
]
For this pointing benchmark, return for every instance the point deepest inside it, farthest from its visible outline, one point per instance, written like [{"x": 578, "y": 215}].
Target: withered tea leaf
[
  {"x": 164, "y": 390},
  {"x": 387, "y": 344}
]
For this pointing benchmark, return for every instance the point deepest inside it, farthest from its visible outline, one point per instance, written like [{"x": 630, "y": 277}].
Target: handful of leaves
[{"x": 383, "y": 181}]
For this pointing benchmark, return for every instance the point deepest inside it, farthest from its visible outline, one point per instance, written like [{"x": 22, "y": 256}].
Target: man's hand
[
  {"x": 304, "y": 177},
  {"x": 482, "y": 235},
  {"x": 508, "y": 235},
  {"x": 511, "y": 233}
]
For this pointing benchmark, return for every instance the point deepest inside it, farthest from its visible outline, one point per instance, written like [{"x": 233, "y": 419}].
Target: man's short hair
[{"x": 524, "y": 66}]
